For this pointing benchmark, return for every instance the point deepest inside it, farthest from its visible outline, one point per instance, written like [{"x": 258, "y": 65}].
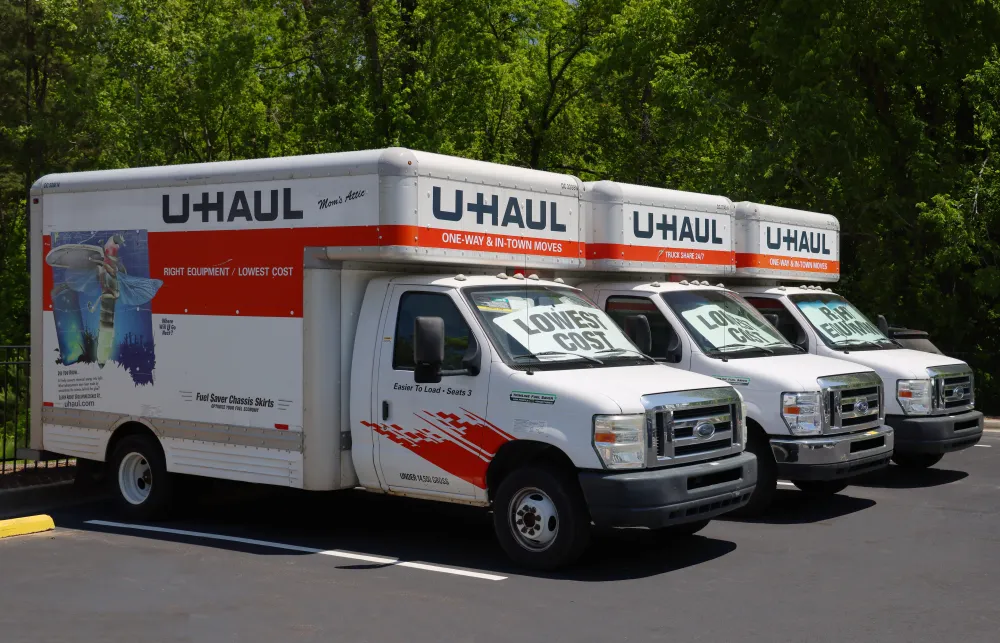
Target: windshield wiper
[
  {"x": 544, "y": 353},
  {"x": 627, "y": 350},
  {"x": 858, "y": 342},
  {"x": 742, "y": 348}
]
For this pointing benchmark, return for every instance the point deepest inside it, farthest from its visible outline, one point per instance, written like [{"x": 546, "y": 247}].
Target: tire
[
  {"x": 143, "y": 487},
  {"x": 917, "y": 460},
  {"x": 540, "y": 518},
  {"x": 767, "y": 476},
  {"x": 821, "y": 487},
  {"x": 678, "y": 532}
]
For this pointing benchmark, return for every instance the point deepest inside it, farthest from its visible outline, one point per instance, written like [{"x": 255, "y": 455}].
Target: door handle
[{"x": 385, "y": 410}]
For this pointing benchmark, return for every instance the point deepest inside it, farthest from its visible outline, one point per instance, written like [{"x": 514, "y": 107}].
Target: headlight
[
  {"x": 802, "y": 412},
  {"x": 620, "y": 440},
  {"x": 914, "y": 396}
]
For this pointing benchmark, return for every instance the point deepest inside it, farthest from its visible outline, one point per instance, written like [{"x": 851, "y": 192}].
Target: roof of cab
[
  {"x": 464, "y": 281},
  {"x": 785, "y": 290},
  {"x": 392, "y": 161}
]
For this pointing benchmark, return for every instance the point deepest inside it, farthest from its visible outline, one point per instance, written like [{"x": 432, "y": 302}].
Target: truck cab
[
  {"x": 814, "y": 420},
  {"x": 518, "y": 392},
  {"x": 817, "y": 421},
  {"x": 930, "y": 400}
]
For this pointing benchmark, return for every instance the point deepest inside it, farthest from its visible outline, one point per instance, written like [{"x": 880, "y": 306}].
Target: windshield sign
[
  {"x": 837, "y": 321},
  {"x": 720, "y": 322},
  {"x": 539, "y": 324}
]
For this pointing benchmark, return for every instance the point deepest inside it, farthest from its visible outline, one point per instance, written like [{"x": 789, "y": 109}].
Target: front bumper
[
  {"x": 662, "y": 497},
  {"x": 936, "y": 434},
  {"x": 831, "y": 457}
]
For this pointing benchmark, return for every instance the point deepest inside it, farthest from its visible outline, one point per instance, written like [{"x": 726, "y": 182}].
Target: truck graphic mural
[{"x": 101, "y": 300}]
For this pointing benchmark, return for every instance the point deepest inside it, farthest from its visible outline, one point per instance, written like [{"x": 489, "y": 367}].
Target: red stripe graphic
[
  {"x": 258, "y": 273},
  {"x": 461, "y": 445},
  {"x": 656, "y": 254},
  {"x": 778, "y": 262}
]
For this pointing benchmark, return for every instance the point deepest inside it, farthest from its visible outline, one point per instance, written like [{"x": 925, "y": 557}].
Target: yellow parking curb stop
[{"x": 26, "y": 525}]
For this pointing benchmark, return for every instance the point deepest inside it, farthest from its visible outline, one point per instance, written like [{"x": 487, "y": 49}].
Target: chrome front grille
[
  {"x": 852, "y": 402},
  {"x": 692, "y": 426},
  {"x": 953, "y": 388}
]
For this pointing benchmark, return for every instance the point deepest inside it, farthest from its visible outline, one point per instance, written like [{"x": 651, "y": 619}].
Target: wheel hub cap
[{"x": 534, "y": 520}]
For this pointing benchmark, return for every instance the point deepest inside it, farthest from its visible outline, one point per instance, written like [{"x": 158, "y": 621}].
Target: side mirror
[
  {"x": 673, "y": 346},
  {"x": 637, "y": 329},
  {"x": 428, "y": 349},
  {"x": 472, "y": 361},
  {"x": 883, "y": 325},
  {"x": 771, "y": 319}
]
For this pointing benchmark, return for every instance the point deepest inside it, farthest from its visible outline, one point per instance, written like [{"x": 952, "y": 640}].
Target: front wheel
[
  {"x": 767, "y": 476},
  {"x": 139, "y": 475},
  {"x": 821, "y": 487},
  {"x": 916, "y": 460},
  {"x": 540, "y": 518}
]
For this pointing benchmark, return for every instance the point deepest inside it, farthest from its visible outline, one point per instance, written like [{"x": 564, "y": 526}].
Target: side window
[
  {"x": 775, "y": 312},
  {"x": 665, "y": 339},
  {"x": 428, "y": 304}
]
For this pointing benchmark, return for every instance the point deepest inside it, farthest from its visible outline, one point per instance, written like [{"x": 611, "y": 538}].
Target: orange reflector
[
  {"x": 281, "y": 427},
  {"x": 604, "y": 436},
  {"x": 792, "y": 410},
  {"x": 906, "y": 394}
]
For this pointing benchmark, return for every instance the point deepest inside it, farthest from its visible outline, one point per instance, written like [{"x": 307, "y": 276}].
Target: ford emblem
[
  {"x": 958, "y": 392},
  {"x": 704, "y": 430},
  {"x": 861, "y": 406}
]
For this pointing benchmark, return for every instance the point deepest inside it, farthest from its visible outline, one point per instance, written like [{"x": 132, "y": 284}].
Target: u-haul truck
[
  {"x": 342, "y": 320},
  {"x": 642, "y": 240},
  {"x": 929, "y": 398}
]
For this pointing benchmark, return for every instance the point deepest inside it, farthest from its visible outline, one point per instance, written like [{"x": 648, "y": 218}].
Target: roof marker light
[
  {"x": 559, "y": 280},
  {"x": 533, "y": 277},
  {"x": 460, "y": 277},
  {"x": 518, "y": 275},
  {"x": 684, "y": 282},
  {"x": 501, "y": 275}
]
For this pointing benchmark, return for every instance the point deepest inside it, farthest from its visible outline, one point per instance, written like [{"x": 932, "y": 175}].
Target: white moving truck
[
  {"x": 930, "y": 398},
  {"x": 306, "y": 322},
  {"x": 813, "y": 420}
]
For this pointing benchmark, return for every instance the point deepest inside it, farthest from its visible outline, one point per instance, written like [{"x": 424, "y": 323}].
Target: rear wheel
[
  {"x": 916, "y": 460},
  {"x": 139, "y": 475},
  {"x": 540, "y": 518},
  {"x": 821, "y": 487},
  {"x": 767, "y": 475}
]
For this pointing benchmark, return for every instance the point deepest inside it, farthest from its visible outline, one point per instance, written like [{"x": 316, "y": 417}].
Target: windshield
[
  {"x": 724, "y": 325},
  {"x": 536, "y": 325},
  {"x": 839, "y": 324}
]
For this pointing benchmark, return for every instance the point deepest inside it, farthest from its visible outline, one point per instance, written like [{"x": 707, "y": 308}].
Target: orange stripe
[
  {"x": 258, "y": 272},
  {"x": 778, "y": 262},
  {"x": 655, "y": 254}
]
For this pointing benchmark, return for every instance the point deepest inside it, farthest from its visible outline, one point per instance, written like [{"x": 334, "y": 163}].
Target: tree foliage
[{"x": 885, "y": 114}]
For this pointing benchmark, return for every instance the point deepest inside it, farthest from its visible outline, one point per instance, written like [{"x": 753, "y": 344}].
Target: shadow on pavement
[
  {"x": 377, "y": 525},
  {"x": 793, "y": 507},
  {"x": 895, "y": 477}
]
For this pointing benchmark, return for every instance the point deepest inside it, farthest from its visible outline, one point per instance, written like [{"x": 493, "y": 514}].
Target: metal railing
[{"x": 15, "y": 412}]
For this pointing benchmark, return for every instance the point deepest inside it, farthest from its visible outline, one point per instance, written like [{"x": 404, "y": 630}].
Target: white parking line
[
  {"x": 985, "y": 446},
  {"x": 381, "y": 560},
  {"x": 786, "y": 484}
]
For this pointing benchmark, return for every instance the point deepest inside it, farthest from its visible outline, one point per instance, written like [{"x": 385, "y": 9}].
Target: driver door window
[
  {"x": 665, "y": 337},
  {"x": 781, "y": 318},
  {"x": 427, "y": 304}
]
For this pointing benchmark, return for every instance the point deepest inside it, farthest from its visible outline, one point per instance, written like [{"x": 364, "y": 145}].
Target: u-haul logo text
[
  {"x": 244, "y": 205},
  {"x": 796, "y": 240},
  {"x": 673, "y": 228},
  {"x": 540, "y": 215}
]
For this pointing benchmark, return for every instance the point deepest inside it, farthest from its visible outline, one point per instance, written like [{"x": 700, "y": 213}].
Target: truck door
[{"x": 429, "y": 437}]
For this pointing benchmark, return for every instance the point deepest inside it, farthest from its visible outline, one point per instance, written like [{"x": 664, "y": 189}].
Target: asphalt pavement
[{"x": 898, "y": 557}]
